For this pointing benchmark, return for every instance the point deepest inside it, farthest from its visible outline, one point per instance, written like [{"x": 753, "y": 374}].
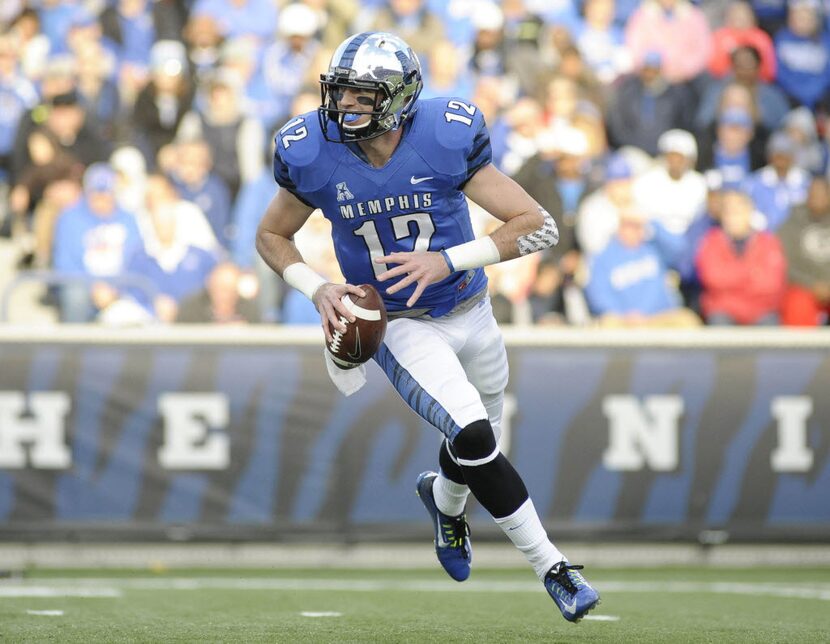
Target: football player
[{"x": 391, "y": 174}]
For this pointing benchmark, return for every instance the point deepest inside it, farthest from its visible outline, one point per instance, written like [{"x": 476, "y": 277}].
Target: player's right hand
[{"x": 329, "y": 303}]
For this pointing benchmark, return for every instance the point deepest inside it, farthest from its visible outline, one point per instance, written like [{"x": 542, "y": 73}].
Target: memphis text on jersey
[{"x": 403, "y": 203}]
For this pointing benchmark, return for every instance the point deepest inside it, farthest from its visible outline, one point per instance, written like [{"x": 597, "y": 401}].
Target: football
[{"x": 364, "y": 336}]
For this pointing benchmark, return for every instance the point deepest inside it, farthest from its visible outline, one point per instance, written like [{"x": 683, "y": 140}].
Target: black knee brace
[
  {"x": 491, "y": 477},
  {"x": 475, "y": 444}
]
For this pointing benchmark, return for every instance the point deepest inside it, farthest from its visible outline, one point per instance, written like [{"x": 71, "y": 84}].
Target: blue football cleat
[
  {"x": 452, "y": 534},
  {"x": 568, "y": 588}
]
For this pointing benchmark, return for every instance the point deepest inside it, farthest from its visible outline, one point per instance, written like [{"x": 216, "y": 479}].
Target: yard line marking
[
  {"x": 22, "y": 590},
  {"x": 603, "y": 618},
  {"x": 322, "y": 613},
  {"x": 46, "y": 613},
  {"x": 113, "y": 587}
]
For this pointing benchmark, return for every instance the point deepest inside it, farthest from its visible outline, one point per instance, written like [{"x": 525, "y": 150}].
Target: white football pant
[{"x": 452, "y": 370}]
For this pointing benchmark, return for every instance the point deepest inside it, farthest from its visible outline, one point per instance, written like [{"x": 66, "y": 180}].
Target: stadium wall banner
[{"x": 198, "y": 433}]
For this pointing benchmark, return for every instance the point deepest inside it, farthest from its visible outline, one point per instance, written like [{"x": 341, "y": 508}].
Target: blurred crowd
[{"x": 682, "y": 147}]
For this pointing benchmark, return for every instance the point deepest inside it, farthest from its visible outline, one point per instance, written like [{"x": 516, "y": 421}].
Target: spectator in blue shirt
[
  {"x": 802, "y": 50},
  {"x": 780, "y": 185},
  {"x": 55, "y": 20},
  {"x": 629, "y": 285},
  {"x": 93, "y": 239},
  {"x": 176, "y": 267},
  {"x": 129, "y": 23},
  {"x": 732, "y": 153}
]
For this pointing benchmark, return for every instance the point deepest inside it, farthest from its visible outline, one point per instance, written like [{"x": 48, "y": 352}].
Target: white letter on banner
[
  {"x": 792, "y": 454},
  {"x": 642, "y": 434},
  {"x": 45, "y": 430},
  {"x": 194, "y": 437}
]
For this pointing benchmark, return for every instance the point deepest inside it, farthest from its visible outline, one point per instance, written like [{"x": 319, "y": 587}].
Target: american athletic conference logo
[{"x": 343, "y": 192}]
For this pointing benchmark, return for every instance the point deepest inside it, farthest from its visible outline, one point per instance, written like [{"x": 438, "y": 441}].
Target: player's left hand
[{"x": 423, "y": 267}]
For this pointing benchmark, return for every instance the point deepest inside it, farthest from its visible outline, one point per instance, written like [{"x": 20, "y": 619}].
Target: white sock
[
  {"x": 450, "y": 497},
  {"x": 525, "y": 530}
]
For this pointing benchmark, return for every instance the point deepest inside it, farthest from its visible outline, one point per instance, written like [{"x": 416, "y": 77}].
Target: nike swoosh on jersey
[
  {"x": 416, "y": 180},
  {"x": 355, "y": 355}
]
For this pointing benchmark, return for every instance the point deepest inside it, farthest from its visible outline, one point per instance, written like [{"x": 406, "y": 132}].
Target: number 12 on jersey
[{"x": 401, "y": 229}]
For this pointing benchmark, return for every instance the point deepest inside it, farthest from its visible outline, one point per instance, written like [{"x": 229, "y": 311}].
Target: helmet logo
[{"x": 343, "y": 192}]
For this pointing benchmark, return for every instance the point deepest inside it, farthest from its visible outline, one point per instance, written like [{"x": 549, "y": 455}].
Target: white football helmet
[{"x": 370, "y": 61}]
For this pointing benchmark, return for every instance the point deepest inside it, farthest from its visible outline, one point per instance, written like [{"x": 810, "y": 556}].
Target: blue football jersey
[{"x": 414, "y": 202}]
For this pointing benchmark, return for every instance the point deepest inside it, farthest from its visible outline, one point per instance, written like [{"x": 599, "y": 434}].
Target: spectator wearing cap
[
  {"x": 255, "y": 19},
  {"x": 672, "y": 192},
  {"x": 629, "y": 285},
  {"x": 769, "y": 103},
  {"x": 598, "y": 215},
  {"x": 803, "y": 51},
  {"x": 675, "y": 28},
  {"x": 805, "y": 237},
  {"x": 236, "y": 141},
  {"x": 286, "y": 63},
  {"x": 732, "y": 153},
  {"x": 93, "y": 239},
  {"x": 740, "y": 29},
  {"x": 742, "y": 270},
  {"x": 643, "y": 105},
  {"x": 780, "y": 185},
  {"x": 161, "y": 105}
]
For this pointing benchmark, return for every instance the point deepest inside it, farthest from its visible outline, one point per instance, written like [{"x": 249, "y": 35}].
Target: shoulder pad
[
  {"x": 445, "y": 129},
  {"x": 301, "y": 147}
]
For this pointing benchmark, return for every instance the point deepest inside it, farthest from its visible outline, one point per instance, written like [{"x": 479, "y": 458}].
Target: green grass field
[{"x": 642, "y": 605}]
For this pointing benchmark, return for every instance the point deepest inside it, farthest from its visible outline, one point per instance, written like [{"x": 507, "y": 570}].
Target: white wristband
[
  {"x": 302, "y": 277},
  {"x": 472, "y": 254}
]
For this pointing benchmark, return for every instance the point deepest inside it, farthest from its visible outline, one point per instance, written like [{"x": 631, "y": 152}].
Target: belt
[{"x": 461, "y": 307}]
